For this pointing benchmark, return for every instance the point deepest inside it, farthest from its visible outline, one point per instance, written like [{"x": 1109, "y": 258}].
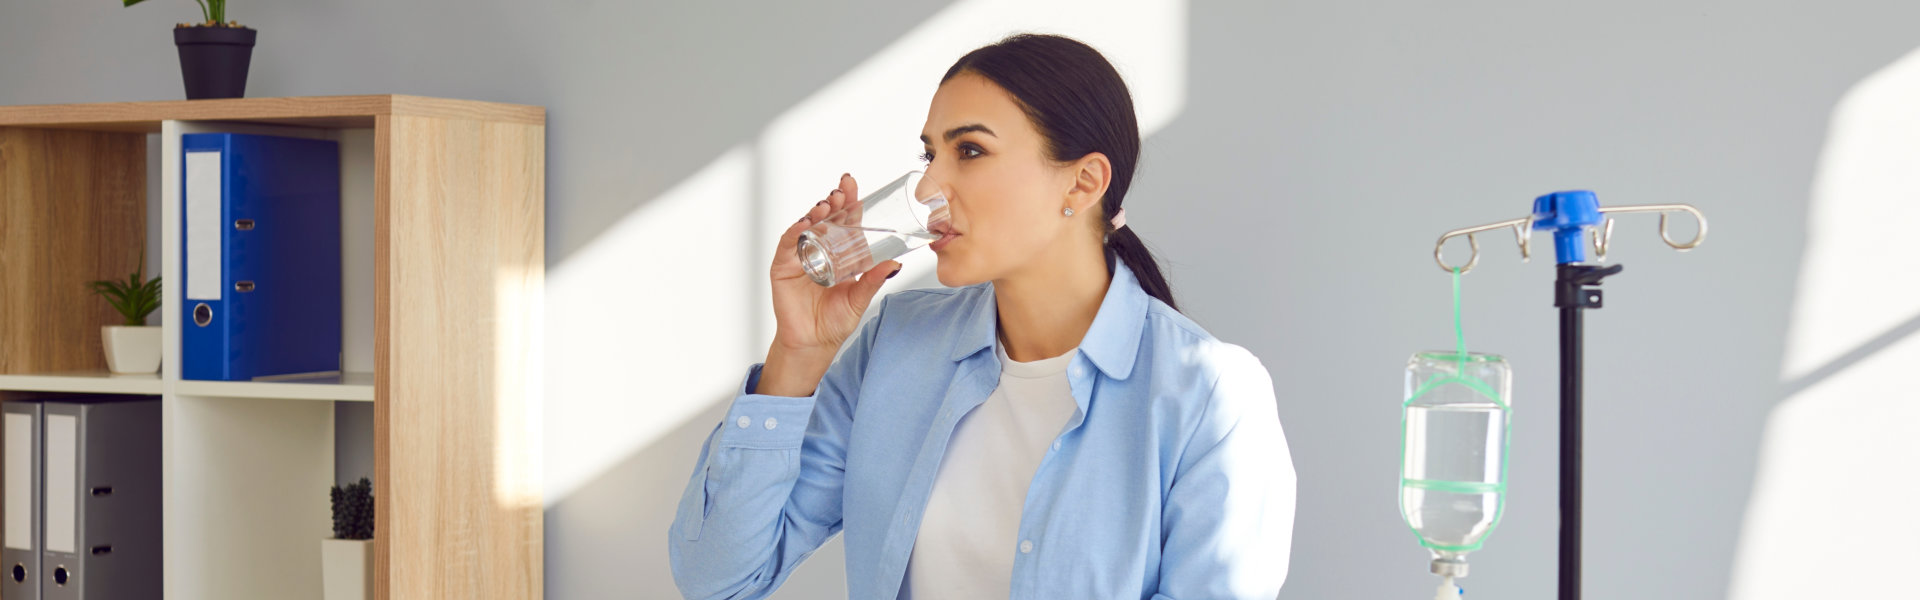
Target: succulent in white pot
[{"x": 133, "y": 347}]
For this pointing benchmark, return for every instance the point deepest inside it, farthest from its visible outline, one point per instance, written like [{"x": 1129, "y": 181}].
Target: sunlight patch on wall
[
  {"x": 646, "y": 324},
  {"x": 1832, "y": 512}
]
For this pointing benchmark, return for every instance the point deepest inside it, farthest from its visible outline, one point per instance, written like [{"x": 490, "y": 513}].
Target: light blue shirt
[{"x": 1171, "y": 480}]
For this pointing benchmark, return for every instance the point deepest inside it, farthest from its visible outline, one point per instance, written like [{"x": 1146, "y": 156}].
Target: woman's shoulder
[
  {"x": 1179, "y": 353},
  {"x": 1167, "y": 328}
]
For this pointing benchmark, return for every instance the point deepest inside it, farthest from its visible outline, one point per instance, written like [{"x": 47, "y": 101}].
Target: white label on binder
[
  {"x": 19, "y": 481},
  {"x": 203, "y": 225},
  {"x": 62, "y": 468}
]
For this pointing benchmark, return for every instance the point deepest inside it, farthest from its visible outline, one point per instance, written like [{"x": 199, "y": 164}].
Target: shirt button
[
  {"x": 1056, "y": 444},
  {"x": 742, "y": 422},
  {"x": 1026, "y": 546},
  {"x": 772, "y": 422},
  {"x": 1079, "y": 371}
]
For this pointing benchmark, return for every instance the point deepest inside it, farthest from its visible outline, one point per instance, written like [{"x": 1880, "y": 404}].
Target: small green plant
[
  {"x": 134, "y": 298},
  {"x": 353, "y": 511},
  {"x": 215, "y": 12}
]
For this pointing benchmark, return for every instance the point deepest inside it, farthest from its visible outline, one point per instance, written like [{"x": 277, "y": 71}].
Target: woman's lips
[{"x": 943, "y": 241}]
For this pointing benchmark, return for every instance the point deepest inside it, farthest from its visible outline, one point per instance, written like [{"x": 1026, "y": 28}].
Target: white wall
[{"x": 1301, "y": 161}]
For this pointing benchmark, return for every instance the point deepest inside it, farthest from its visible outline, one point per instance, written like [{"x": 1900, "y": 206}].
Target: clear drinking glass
[{"x": 891, "y": 221}]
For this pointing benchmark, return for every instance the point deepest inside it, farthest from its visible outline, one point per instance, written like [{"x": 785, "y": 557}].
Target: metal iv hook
[
  {"x": 1522, "y": 234},
  {"x": 1601, "y": 237}
]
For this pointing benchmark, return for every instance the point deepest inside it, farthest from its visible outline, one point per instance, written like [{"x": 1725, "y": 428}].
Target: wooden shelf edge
[
  {"x": 448, "y": 108},
  {"x": 83, "y": 382},
  {"x": 322, "y": 111},
  {"x": 352, "y": 386}
]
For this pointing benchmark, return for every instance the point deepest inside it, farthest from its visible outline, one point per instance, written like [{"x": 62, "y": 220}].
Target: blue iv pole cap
[{"x": 1567, "y": 214}]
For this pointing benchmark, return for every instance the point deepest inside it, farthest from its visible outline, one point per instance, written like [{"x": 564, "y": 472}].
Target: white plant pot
[
  {"x": 345, "y": 566},
  {"x": 131, "y": 349}
]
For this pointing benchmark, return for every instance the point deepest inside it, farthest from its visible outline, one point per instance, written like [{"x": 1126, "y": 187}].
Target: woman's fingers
[
  {"x": 870, "y": 282},
  {"x": 786, "y": 263},
  {"x": 783, "y": 253},
  {"x": 814, "y": 214},
  {"x": 836, "y": 199},
  {"x": 847, "y": 191}
]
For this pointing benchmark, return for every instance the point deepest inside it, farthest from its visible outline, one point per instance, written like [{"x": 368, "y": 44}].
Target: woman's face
[{"x": 1004, "y": 194}]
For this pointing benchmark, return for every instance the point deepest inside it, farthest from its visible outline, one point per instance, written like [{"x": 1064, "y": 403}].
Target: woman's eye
[{"x": 966, "y": 151}]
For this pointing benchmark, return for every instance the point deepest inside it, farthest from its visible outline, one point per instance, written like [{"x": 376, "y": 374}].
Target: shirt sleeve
[
  {"x": 1228, "y": 518},
  {"x": 766, "y": 490}
]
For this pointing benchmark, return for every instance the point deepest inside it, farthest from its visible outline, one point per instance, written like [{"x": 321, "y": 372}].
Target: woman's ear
[{"x": 1091, "y": 175}]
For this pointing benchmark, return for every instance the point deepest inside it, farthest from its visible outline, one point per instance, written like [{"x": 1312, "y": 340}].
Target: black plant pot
[{"x": 213, "y": 60}]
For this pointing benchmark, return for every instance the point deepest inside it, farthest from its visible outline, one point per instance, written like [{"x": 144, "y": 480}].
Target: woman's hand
[{"x": 812, "y": 321}]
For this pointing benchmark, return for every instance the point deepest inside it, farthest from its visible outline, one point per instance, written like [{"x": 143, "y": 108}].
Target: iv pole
[{"x": 1570, "y": 216}]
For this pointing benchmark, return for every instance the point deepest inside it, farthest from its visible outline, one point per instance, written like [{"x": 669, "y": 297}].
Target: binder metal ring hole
[
  {"x": 243, "y": 286},
  {"x": 202, "y": 314},
  {"x": 19, "y": 572},
  {"x": 60, "y": 575},
  {"x": 243, "y": 224}
]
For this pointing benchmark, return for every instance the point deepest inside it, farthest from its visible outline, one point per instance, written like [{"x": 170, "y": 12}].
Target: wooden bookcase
[{"x": 443, "y": 240}]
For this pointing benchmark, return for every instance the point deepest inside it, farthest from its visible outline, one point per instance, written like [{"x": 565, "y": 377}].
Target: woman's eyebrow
[{"x": 955, "y": 132}]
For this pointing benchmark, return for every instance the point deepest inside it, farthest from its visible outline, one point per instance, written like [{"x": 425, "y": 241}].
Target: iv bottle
[{"x": 1453, "y": 469}]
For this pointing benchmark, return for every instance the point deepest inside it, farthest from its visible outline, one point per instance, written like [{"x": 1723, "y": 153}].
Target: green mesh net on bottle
[{"x": 1464, "y": 366}]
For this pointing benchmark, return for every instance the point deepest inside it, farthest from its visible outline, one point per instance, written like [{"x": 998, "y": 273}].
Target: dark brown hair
[{"x": 1078, "y": 102}]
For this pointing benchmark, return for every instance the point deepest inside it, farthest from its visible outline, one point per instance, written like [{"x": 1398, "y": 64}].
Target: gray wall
[{"x": 1320, "y": 150}]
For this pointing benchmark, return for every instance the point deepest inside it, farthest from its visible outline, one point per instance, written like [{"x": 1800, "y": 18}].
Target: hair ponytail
[
  {"x": 1079, "y": 103},
  {"x": 1122, "y": 243}
]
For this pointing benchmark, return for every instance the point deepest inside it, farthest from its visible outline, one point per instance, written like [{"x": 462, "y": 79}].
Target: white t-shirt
[{"x": 966, "y": 544}]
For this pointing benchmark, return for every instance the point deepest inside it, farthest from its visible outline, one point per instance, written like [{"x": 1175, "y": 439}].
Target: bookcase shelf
[
  {"x": 443, "y": 220},
  {"x": 346, "y": 386},
  {"x": 83, "y": 382},
  {"x": 350, "y": 386}
]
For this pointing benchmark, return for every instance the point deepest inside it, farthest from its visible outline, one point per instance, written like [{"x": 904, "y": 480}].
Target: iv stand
[{"x": 1569, "y": 215}]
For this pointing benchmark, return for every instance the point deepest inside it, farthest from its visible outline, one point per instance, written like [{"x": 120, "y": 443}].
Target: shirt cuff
[{"x": 765, "y": 422}]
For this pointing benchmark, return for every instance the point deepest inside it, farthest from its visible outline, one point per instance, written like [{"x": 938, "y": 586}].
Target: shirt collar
[{"x": 1111, "y": 342}]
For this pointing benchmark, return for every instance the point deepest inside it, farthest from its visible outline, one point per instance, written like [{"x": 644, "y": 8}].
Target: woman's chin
[{"x": 951, "y": 274}]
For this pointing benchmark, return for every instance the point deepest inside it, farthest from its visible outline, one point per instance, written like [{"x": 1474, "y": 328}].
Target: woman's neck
[{"x": 1046, "y": 308}]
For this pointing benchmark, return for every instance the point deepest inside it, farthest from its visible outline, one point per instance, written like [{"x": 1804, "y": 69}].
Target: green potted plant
[
  {"x": 133, "y": 347},
  {"x": 347, "y": 559},
  {"x": 214, "y": 53}
]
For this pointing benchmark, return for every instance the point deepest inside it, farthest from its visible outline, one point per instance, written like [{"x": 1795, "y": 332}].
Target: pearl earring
[{"x": 1068, "y": 211}]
